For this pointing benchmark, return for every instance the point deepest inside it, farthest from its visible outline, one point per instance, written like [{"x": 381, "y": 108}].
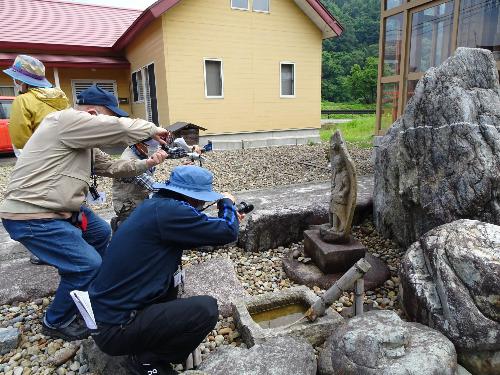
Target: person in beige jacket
[{"x": 43, "y": 207}]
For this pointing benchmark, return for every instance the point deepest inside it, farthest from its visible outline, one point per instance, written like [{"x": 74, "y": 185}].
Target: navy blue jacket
[{"x": 145, "y": 252}]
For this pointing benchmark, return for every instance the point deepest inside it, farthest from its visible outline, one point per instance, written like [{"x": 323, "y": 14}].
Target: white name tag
[{"x": 100, "y": 200}]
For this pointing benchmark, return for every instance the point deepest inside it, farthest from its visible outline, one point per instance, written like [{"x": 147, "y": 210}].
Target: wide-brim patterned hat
[{"x": 29, "y": 70}]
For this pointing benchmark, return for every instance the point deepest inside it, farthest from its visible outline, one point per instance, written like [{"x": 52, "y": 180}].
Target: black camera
[{"x": 244, "y": 208}]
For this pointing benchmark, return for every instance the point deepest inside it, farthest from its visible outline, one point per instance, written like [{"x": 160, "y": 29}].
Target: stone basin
[{"x": 280, "y": 309}]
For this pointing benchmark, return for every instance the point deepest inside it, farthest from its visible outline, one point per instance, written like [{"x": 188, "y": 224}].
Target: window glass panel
[
  {"x": 239, "y": 4},
  {"x": 389, "y": 4},
  {"x": 287, "y": 81},
  {"x": 410, "y": 89},
  {"x": 392, "y": 46},
  {"x": 390, "y": 99},
  {"x": 431, "y": 31},
  {"x": 213, "y": 77},
  {"x": 261, "y": 5},
  {"x": 5, "y": 106},
  {"x": 479, "y": 25}
]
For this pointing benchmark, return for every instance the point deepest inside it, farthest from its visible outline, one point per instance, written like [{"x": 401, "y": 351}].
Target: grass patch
[{"x": 359, "y": 131}]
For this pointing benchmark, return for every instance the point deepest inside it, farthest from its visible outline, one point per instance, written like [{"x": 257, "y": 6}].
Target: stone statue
[{"x": 343, "y": 196}]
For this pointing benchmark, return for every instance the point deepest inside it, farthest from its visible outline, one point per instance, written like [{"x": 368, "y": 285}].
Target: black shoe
[
  {"x": 137, "y": 368},
  {"x": 75, "y": 331},
  {"x": 35, "y": 260}
]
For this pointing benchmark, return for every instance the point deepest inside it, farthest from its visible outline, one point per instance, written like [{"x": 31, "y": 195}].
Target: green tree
[{"x": 363, "y": 81}]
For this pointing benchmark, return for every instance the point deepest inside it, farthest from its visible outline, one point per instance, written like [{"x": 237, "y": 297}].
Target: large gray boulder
[
  {"x": 278, "y": 356},
  {"x": 441, "y": 160},
  {"x": 450, "y": 280},
  {"x": 380, "y": 343}
]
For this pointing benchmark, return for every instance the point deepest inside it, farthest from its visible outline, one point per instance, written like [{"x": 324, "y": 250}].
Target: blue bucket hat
[
  {"x": 29, "y": 70},
  {"x": 191, "y": 181},
  {"x": 97, "y": 96}
]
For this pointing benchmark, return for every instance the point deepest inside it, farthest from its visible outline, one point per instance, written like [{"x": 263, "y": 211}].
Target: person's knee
[
  {"x": 208, "y": 309},
  {"x": 91, "y": 263}
]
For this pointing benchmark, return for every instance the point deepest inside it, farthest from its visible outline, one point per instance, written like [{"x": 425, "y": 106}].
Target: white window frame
[
  {"x": 221, "y": 76},
  {"x": 294, "y": 80},
  {"x": 237, "y": 8},
  {"x": 142, "y": 84},
  {"x": 93, "y": 81},
  {"x": 262, "y": 11}
]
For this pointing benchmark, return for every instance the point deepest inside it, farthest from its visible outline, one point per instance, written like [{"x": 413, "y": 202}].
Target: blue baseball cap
[
  {"x": 191, "y": 181},
  {"x": 97, "y": 96}
]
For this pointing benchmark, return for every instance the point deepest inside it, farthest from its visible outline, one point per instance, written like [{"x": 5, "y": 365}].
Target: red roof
[
  {"x": 62, "y": 24},
  {"x": 65, "y": 61}
]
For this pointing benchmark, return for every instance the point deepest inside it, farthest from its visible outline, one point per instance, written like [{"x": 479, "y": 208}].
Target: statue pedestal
[{"x": 332, "y": 258}]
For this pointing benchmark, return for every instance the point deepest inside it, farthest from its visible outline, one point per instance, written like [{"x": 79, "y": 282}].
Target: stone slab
[
  {"x": 310, "y": 275},
  {"x": 278, "y": 356},
  {"x": 216, "y": 278},
  {"x": 332, "y": 258},
  {"x": 23, "y": 281}
]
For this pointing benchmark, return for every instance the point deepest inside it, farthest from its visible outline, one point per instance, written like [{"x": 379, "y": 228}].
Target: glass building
[{"x": 416, "y": 35}]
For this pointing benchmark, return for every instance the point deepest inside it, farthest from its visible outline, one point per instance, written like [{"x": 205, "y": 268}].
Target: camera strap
[{"x": 93, "y": 188}]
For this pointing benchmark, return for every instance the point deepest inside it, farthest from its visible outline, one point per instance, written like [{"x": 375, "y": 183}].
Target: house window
[
  {"x": 261, "y": 5},
  {"x": 239, "y": 4},
  {"x": 214, "y": 79},
  {"x": 287, "y": 83},
  {"x": 144, "y": 91},
  {"x": 81, "y": 85},
  {"x": 137, "y": 87},
  {"x": 7, "y": 91}
]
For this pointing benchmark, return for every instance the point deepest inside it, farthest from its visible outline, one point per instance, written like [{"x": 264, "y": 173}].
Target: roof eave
[
  {"x": 333, "y": 27},
  {"x": 52, "y": 47}
]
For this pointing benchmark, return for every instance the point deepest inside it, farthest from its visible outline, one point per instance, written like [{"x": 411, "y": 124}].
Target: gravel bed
[
  {"x": 258, "y": 272},
  {"x": 238, "y": 170}
]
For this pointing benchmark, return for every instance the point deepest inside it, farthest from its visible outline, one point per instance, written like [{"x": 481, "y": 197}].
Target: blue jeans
[{"x": 76, "y": 255}]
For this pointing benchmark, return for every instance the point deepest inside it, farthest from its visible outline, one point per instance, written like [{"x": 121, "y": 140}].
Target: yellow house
[{"x": 243, "y": 69}]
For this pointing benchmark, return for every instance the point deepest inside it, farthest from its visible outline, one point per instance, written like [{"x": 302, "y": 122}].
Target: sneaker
[
  {"x": 75, "y": 331},
  {"x": 137, "y": 368},
  {"x": 35, "y": 260}
]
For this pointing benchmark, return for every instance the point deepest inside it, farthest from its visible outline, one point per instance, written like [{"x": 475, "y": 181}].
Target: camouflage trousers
[{"x": 128, "y": 206}]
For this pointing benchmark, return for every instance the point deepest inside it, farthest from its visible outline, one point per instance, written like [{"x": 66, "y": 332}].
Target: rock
[
  {"x": 100, "y": 363},
  {"x": 216, "y": 278},
  {"x": 22, "y": 281},
  {"x": 9, "y": 339},
  {"x": 450, "y": 280},
  {"x": 441, "y": 160},
  {"x": 63, "y": 355},
  {"x": 283, "y": 355},
  {"x": 380, "y": 343}
]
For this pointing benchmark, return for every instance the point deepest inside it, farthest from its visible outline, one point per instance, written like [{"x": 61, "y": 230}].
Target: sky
[{"x": 135, "y": 4}]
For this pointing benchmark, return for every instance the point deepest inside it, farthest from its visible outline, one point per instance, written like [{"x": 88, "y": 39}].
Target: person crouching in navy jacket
[{"x": 134, "y": 296}]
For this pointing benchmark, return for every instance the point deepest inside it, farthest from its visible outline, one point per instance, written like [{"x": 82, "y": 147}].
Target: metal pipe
[
  {"x": 359, "y": 291},
  {"x": 344, "y": 283}
]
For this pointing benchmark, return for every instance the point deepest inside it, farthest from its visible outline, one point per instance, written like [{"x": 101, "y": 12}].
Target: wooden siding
[
  {"x": 121, "y": 76},
  {"x": 148, "y": 48},
  {"x": 251, "y": 46}
]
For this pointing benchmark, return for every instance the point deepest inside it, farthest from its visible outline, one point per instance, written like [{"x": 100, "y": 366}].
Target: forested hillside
[{"x": 350, "y": 61}]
